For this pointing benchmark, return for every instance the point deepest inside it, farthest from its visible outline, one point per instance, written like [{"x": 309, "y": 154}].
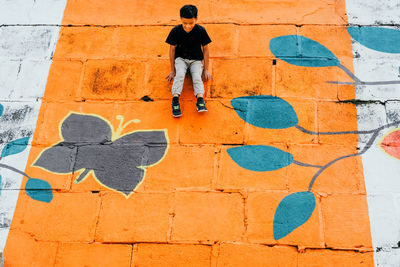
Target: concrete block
[
  {"x": 25, "y": 250},
  {"x": 77, "y": 210},
  {"x": 142, "y": 217},
  {"x": 384, "y": 213},
  {"x": 345, "y": 221},
  {"x": 256, "y": 255},
  {"x": 149, "y": 255},
  {"x": 373, "y": 12},
  {"x": 339, "y": 177},
  {"x": 239, "y": 77},
  {"x": 254, "y": 39},
  {"x": 336, "y": 117},
  {"x": 197, "y": 129},
  {"x": 375, "y": 66},
  {"x": 47, "y": 11},
  {"x": 83, "y": 254},
  {"x": 306, "y": 83},
  {"x": 8, "y": 198},
  {"x": 28, "y": 42},
  {"x": 196, "y": 169},
  {"x": 381, "y": 171},
  {"x": 32, "y": 79},
  {"x": 105, "y": 79},
  {"x": 370, "y": 117},
  {"x": 260, "y": 220},
  {"x": 208, "y": 216},
  {"x": 18, "y": 120},
  {"x": 392, "y": 111},
  {"x": 387, "y": 257},
  {"x": 31, "y": 11},
  {"x": 63, "y": 80},
  {"x": 317, "y": 257},
  {"x": 9, "y": 70},
  {"x": 25, "y": 80}
]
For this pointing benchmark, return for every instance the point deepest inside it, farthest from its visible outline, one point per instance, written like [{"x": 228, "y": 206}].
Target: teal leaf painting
[
  {"x": 293, "y": 211},
  {"x": 1, "y": 109},
  {"x": 260, "y": 158},
  {"x": 302, "y": 51},
  {"x": 377, "y": 38},
  {"x": 39, "y": 190},
  {"x": 15, "y": 147},
  {"x": 265, "y": 111}
]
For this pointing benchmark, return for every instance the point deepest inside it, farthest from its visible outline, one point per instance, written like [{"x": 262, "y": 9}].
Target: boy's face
[{"x": 188, "y": 24}]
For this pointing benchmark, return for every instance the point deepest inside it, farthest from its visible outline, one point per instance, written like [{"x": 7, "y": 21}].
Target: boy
[{"x": 185, "y": 52}]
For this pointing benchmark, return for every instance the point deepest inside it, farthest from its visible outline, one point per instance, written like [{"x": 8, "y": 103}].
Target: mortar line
[
  {"x": 98, "y": 216},
  {"x": 56, "y": 254},
  {"x": 132, "y": 251},
  {"x": 215, "y": 248},
  {"x": 168, "y": 24},
  {"x": 236, "y": 44},
  {"x": 273, "y": 82},
  {"x": 321, "y": 222},
  {"x": 217, "y": 167},
  {"x": 171, "y": 216},
  {"x": 245, "y": 215}
]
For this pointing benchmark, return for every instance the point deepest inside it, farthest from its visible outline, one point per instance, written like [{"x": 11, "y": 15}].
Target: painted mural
[
  {"x": 11, "y": 148},
  {"x": 275, "y": 174},
  {"x": 90, "y": 146},
  {"x": 35, "y": 188},
  {"x": 26, "y": 56},
  {"x": 302, "y": 51},
  {"x": 271, "y": 112}
]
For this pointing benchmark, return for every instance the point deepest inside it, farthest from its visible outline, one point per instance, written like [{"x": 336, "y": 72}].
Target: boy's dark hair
[{"x": 189, "y": 12}]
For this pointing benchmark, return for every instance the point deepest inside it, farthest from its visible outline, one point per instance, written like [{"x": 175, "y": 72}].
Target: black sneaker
[
  {"x": 200, "y": 105},
  {"x": 176, "y": 108}
]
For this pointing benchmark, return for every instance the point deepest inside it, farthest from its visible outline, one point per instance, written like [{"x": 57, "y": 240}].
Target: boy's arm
[
  {"x": 206, "y": 73},
  {"x": 171, "y": 75}
]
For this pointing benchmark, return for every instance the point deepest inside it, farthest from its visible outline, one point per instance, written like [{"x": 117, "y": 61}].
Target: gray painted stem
[
  {"x": 367, "y": 146},
  {"x": 379, "y": 83},
  {"x": 348, "y": 72},
  {"x": 358, "y": 81},
  {"x": 14, "y": 170},
  {"x": 365, "y": 149},
  {"x": 348, "y": 132},
  {"x": 303, "y": 164}
]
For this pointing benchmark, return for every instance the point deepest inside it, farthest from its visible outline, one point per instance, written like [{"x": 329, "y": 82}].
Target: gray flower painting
[{"x": 89, "y": 147}]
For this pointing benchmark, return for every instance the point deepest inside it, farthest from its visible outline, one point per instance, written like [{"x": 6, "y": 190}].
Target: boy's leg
[
  {"x": 196, "y": 70},
  {"x": 180, "y": 68}
]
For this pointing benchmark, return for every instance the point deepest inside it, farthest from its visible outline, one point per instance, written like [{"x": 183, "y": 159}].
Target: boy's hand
[
  {"x": 171, "y": 76},
  {"x": 206, "y": 75}
]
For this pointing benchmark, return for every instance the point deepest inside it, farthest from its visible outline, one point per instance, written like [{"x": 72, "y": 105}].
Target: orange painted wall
[{"x": 197, "y": 207}]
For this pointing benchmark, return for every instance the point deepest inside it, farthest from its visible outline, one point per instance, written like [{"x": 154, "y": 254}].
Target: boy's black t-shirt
[{"x": 188, "y": 44}]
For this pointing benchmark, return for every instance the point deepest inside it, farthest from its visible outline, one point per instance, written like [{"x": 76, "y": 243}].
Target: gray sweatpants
[{"x": 196, "y": 70}]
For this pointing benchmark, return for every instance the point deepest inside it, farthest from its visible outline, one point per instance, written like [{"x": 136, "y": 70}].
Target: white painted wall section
[
  {"x": 28, "y": 36},
  {"x": 381, "y": 105}
]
